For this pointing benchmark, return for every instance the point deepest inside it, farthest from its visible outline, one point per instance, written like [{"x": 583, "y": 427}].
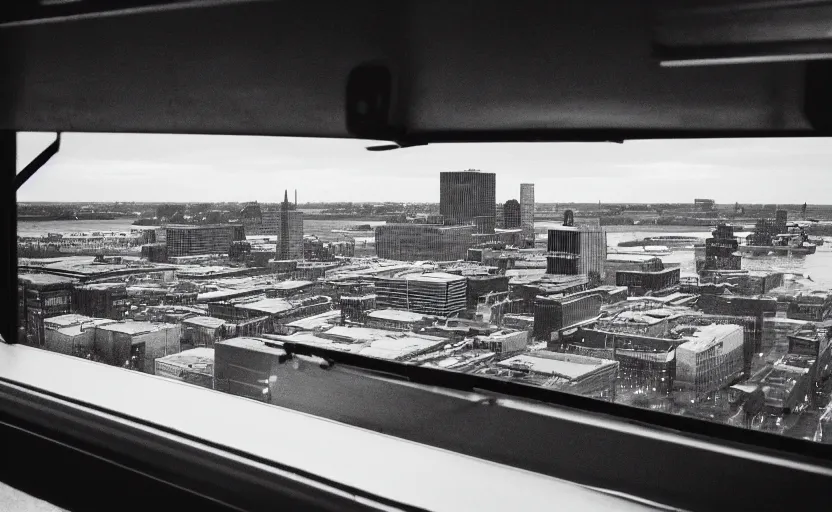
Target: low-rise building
[
  {"x": 527, "y": 287},
  {"x": 102, "y": 300},
  {"x": 629, "y": 262},
  {"x": 635, "y": 322},
  {"x": 432, "y": 293},
  {"x": 555, "y": 314},
  {"x": 314, "y": 322},
  {"x": 202, "y": 331},
  {"x": 640, "y": 282},
  {"x": 356, "y": 307},
  {"x": 571, "y": 373},
  {"x": 289, "y": 288},
  {"x": 135, "y": 345},
  {"x": 71, "y": 334},
  {"x": 378, "y": 343},
  {"x": 396, "y": 320},
  {"x": 504, "y": 342},
  {"x": 194, "y": 366}
]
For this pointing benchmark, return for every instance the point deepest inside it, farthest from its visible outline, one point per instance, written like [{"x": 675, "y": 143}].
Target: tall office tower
[
  {"x": 469, "y": 197},
  {"x": 527, "y": 210},
  {"x": 289, "y": 231},
  {"x": 576, "y": 250},
  {"x": 512, "y": 214}
]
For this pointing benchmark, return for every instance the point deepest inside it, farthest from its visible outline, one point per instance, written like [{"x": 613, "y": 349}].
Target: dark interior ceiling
[{"x": 462, "y": 70}]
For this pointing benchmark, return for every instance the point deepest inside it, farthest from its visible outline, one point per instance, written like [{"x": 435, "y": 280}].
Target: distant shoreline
[{"x": 91, "y": 216}]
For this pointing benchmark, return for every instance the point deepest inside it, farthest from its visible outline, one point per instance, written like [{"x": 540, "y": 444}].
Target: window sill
[{"x": 335, "y": 458}]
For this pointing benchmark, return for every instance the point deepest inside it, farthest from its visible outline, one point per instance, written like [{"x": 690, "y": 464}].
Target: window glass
[{"x": 692, "y": 277}]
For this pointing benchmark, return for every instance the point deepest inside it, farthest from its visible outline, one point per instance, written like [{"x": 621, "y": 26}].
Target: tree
[{"x": 803, "y": 210}]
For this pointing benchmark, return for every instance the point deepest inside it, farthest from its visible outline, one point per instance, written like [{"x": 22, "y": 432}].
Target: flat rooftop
[
  {"x": 133, "y": 327},
  {"x": 556, "y": 364},
  {"x": 201, "y": 226},
  {"x": 199, "y": 359},
  {"x": 434, "y": 277},
  {"x": 102, "y": 286},
  {"x": 45, "y": 279},
  {"x": 398, "y": 348},
  {"x": 250, "y": 343},
  {"x": 204, "y": 321},
  {"x": 271, "y": 306},
  {"x": 67, "y": 320},
  {"x": 707, "y": 335},
  {"x": 637, "y": 317},
  {"x": 630, "y": 258},
  {"x": 311, "y": 322},
  {"x": 291, "y": 285},
  {"x": 397, "y": 315}
]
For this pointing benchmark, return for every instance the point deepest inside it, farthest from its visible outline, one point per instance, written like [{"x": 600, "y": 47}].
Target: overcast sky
[{"x": 130, "y": 167}]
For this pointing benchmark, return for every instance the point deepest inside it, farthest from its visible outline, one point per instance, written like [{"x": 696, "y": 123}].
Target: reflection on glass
[{"x": 694, "y": 286}]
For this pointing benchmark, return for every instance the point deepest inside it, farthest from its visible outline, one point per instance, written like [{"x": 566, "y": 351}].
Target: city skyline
[{"x": 195, "y": 168}]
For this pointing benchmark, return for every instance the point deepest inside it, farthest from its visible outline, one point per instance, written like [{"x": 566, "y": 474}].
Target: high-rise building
[
  {"x": 527, "y": 210},
  {"x": 413, "y": 242},
  {"x": 720, "y": 250},
  {"x": 511, "y": 214},
  {"x": 289, "y": 224},
  {"x": 196, "y": 239},
  {"x": 469, "y": 197},
  {"x": 576, "y": 250},
  {"x": 501, "y": 218}
]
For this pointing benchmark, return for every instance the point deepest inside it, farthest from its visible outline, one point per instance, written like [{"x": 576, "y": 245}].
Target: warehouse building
[
  {"x": 202, "y": 331},
  {"x": 571, "y": 373},
  {"x": 71, "y": 334},
  {"x": 433, "y": 293},
  {"x": 396, "y": 320},
  {"x": 135, "y": 345},
  {"x": 102, "y": 300},
  {"x": 194, "y": 366}
]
